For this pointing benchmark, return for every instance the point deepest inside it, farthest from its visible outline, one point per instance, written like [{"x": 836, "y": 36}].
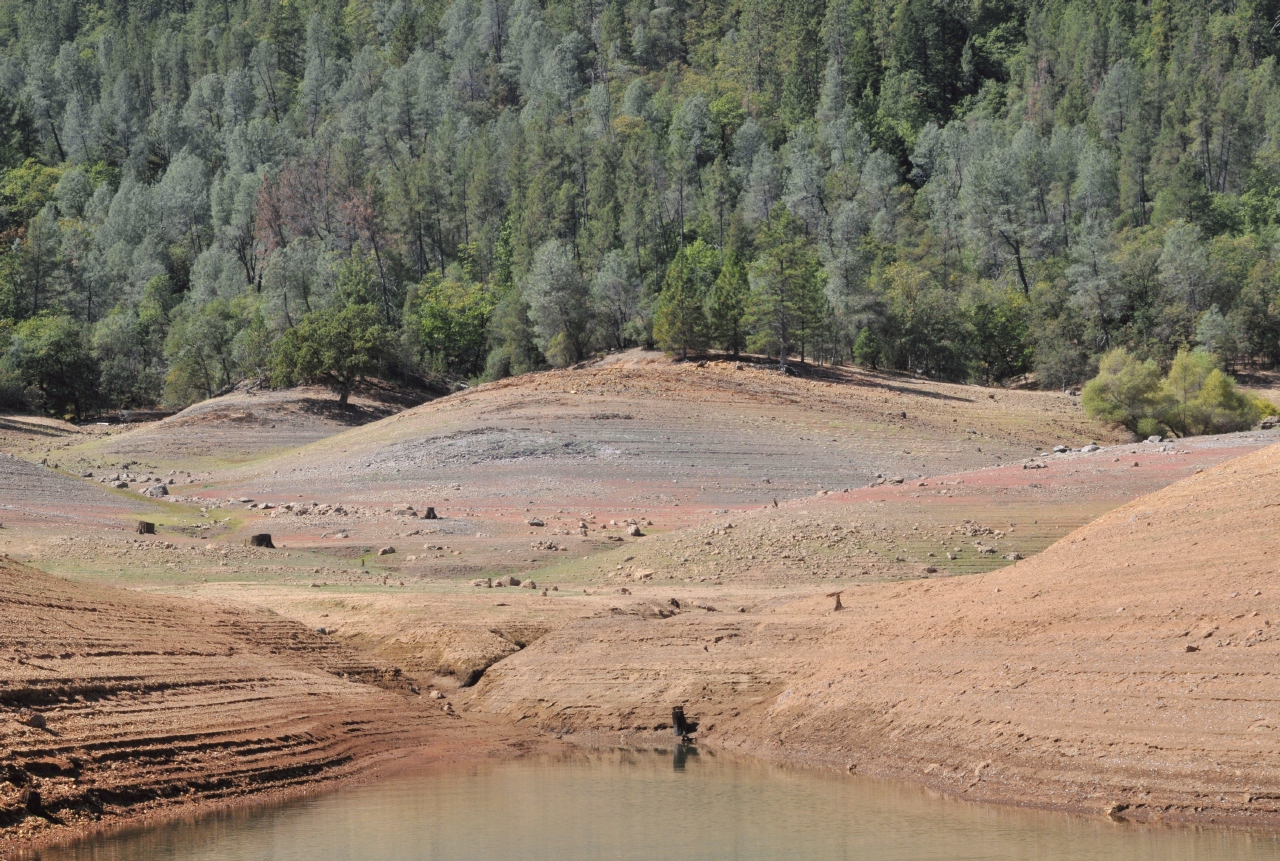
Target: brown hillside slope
[
  {"x": 1130, "y": 667},
  {"x": 148, "y": 703},
  {"x": 640, "y": 435}
]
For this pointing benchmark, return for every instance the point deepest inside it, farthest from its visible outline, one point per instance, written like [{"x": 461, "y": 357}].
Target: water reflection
[
  {"x": 631, "y": 806},
  {"x": 683, "y": 752}
]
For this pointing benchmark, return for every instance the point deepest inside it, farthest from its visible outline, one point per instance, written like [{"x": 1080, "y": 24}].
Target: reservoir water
[{"x": 627, "y": 806}]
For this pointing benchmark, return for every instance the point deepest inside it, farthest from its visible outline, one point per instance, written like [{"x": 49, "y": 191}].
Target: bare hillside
[
  {"x": 113, "y": 704},
  {"x": 1128, "y": 668}
]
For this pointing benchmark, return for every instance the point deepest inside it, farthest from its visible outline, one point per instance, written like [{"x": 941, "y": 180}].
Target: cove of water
[{"x": 627, "y": 806}]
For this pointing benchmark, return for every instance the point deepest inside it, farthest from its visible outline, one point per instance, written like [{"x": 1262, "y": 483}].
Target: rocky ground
[{"x": 696, "y": 517}]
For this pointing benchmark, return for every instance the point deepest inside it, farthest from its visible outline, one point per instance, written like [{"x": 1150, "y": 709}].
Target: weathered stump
[
  {"x": 836, "y": 595},
  {"x": 146, "y": 528},
  {"x": 262, "y": 539},
  {"x": 431, "y": 514}
]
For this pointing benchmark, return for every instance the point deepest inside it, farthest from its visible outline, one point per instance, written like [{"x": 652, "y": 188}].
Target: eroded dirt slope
[
  {"x": 1129, "y": 668},
  {"x": 114, "y": 703}
]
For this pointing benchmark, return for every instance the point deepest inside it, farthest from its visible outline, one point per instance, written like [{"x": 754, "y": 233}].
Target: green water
[{"x": 623, "y": 806}]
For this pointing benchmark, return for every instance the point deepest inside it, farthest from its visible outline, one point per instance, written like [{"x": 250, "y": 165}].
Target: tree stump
[
  {"x": 430, "y": 514},
  {"x": 262, "y": 539},
  {"x": 836, "y": 595},
  {"x": 146, "y": 528}
]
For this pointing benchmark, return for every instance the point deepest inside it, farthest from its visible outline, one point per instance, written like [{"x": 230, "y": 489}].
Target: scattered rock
[
  {"x": 897, "y": 479},
  {"x": 1060, "y": 449},
  {"x": 509, "y": 580},
  {"x": 634, "y": 531},
  {"x": 1191, "y": 648},
  {"x": 1013, "y": 557},
  {"x": 483, "y": 582},
  {"x": 156, "y": 491},
  {"x": 120, "y": 485},
  {"x": 1155, "y": 438},
  {"x": 386, "y": 551},
  {"x": 535, "y": 521},
  {"x": 528, "y": 584},
  {"x": 1091, "y": 447}
]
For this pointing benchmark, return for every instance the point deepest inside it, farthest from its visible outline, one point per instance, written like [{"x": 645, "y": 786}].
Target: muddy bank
[
  {"x": 1127, "y": 669},
  {"x": 121, "y": 707}
]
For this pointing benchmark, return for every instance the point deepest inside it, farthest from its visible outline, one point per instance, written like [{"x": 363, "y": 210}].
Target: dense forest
[{"x": 197, "y": 192}]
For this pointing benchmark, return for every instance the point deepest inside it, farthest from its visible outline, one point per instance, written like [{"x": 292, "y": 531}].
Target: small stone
[
  {"x": 1191, "y": 648},
  {"x": 386, "y": 551},
  {"x": 634, "y": 531},
  {"x": 535, "y": 521},
  {"x": 32, "y": 719},
  {"x": 1155, "y": 438},
  {"x": 897, "y": 479},
  {"x": 509, "y": 580},
  {"x": 1091, "y": 447},
  {"x": 1060, "y": 449}
]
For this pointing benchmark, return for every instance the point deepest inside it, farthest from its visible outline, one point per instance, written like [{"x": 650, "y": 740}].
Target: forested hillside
[{"x": 196, "y": 192}]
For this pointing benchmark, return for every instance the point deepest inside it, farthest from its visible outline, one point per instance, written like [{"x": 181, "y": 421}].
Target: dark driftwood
[{"x": 262, "y": 539}]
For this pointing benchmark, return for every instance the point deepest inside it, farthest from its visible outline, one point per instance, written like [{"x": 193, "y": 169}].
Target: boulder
[
  {"x": 404, "y": 511},
  {"x": 1155, "y": 438},
  {"x": 535, "y": 521},
  {"x": 634, "y": 531},
  {"x": 897, "y": 479},
  {"x": 1091, "y": 447},
  {"x": 156, "y": 491},
  {"x": 1060, "y": 449},
  {"x": 120, "y": 485},
  {"x": 508, "y": 580},
  {"x": 528, "y": 584},
  {"x": 386, "y": 551}
]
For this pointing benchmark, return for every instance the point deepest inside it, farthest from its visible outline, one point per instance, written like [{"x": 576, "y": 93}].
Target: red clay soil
[
  {"x": 116, "y": 705},
  {"x": 1129, "y": 669}
]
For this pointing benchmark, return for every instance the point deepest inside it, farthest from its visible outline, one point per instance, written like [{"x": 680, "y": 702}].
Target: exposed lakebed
[{"x": 628, "y": 806}]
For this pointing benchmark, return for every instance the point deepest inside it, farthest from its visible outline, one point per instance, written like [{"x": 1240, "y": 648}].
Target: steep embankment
[
  {"x": 115, "y": 704},
  {"x": 1129, "y": 668}
]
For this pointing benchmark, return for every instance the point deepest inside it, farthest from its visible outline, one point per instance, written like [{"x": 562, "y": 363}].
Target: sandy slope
[
  {"x": 1063, "y": 681},
  {"x": 153, "y": 702}
]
